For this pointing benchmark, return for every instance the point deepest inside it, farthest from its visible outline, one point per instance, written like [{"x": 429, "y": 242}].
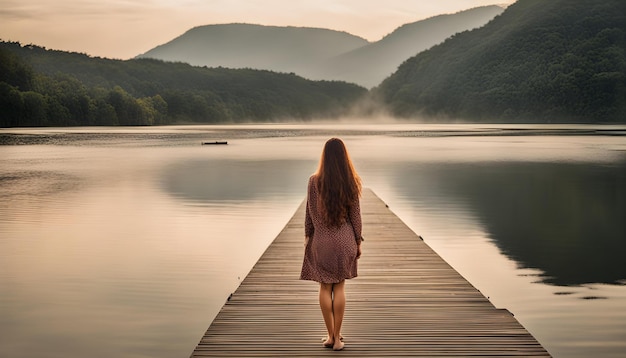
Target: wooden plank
[{"x": 407, "y": 301}]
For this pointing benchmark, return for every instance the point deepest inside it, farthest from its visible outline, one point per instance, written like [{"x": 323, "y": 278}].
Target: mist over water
[{"x": 126, "y": 242}]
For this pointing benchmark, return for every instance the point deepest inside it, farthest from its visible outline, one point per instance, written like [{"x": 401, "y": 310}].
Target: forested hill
[
  {"x": 40, "y": 87},
  {"x": 539, "y": 61}
]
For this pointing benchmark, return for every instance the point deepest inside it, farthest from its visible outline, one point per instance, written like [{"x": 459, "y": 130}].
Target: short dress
[{"x": 330, "y": 254}]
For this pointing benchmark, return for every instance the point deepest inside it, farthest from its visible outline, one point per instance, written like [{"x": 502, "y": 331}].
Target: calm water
[{"x": 126, "y": 242}]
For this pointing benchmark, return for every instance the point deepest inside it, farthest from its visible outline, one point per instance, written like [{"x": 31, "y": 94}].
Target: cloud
[
  {"x": 17, "y": 10},
  {"x": 45, "y": 10}
]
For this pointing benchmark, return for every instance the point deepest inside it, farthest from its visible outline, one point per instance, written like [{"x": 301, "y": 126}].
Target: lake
[{"x": 126, "y": 242}]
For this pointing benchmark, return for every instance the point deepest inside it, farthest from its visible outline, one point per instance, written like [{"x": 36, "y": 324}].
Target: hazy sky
[{"x": 125, "y": 28}]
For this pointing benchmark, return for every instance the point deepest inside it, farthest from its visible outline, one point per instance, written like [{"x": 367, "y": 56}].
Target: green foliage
[
  {"x": 40, "y": 87},
  {"x": 540, "y": 61},
  {"x": 14, "y": 72}
]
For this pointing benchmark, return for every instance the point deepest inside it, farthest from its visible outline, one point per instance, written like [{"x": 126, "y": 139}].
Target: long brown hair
[{"x": 338, "y": 183}]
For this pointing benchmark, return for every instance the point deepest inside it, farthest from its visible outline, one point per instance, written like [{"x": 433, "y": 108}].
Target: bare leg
[
  {"x": 339, "y": 308},
  {"x": 326, "y": 304}
]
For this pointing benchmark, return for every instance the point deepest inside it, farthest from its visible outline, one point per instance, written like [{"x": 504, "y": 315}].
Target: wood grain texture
[{"x": 406, "y": 302}]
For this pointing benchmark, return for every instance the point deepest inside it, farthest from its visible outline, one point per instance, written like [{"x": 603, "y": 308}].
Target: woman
[{"x": 332, "y": 234}]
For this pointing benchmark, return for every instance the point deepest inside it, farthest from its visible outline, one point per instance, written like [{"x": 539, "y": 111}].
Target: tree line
[{"x": 40, "y": 87}]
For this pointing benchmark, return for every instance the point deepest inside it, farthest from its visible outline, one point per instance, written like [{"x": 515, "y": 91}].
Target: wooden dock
[{"x": 407, "y": 301}]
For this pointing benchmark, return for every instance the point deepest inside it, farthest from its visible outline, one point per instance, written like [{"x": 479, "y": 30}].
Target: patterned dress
[{"x": 330, "y": 254}]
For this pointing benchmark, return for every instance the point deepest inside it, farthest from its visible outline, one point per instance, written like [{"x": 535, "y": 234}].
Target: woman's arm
[
  {"x": 308, "y": 221},
  {"x": 355, "y": 218}
]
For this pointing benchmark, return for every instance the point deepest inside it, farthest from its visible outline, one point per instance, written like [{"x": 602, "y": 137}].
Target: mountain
[
  {"x": 280, "y": 49},
  {"x": 372, "y": 63},
  {"x": 539, "y": 61},
  {"x": 40, "y": 87},
  {"x": 315, "y": 53}
]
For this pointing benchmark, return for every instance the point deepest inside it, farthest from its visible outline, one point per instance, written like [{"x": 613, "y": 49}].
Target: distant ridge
[
  {"x": 280, "y": 49},
  {"x": 315, "y": 53},
  {"x": 372, "y": 63}
]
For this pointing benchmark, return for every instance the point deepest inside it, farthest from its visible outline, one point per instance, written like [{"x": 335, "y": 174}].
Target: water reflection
[
  {"x": 216, "y": 180},
  {"x": 565, "y": 219}
]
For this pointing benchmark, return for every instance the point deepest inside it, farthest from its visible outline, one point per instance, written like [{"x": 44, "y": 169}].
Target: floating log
[{"x": 214, "y": 143}]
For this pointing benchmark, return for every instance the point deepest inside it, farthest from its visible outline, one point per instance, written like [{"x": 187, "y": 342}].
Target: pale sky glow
[{"x": 125, "y": 28}]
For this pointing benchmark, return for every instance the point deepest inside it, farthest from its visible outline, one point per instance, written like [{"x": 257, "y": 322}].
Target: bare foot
[
  {"x": 338, "y": 345},
  {"x": 329, "y": 343},
  {"x": 328, "y": 338}
]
